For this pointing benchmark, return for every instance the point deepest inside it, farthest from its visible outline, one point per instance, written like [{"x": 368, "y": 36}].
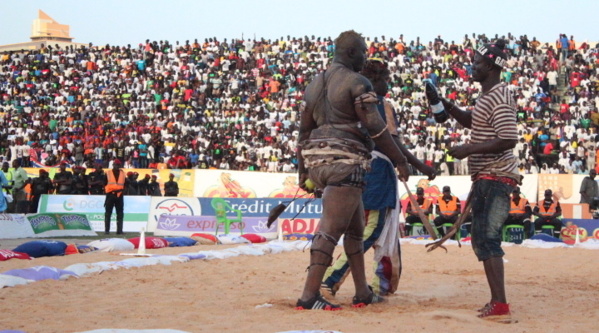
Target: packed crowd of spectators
[{"x": 234, "y": 104}]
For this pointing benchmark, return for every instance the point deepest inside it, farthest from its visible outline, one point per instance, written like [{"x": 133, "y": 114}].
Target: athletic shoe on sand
[
  {"x": 371, "y": 299},
  {"x": 484, "y": 308},
  {"x": 317, "y": 303},
  {"x": 497, "y": 312}
]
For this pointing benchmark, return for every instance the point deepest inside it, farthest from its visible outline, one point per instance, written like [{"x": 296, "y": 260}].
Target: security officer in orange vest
[
  {"x": 448, "y": 209},
  {"x": 520, "y": 212},
  {"x": 115, "y": 183},
  {"x": 547, "y": 211},
  {"x": 425, "y": 204}
]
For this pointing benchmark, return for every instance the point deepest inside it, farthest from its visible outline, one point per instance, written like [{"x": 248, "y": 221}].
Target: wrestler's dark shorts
[{"x": 338, "y": 174}]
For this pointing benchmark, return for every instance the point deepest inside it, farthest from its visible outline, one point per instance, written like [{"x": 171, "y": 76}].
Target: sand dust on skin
[{"x": 550, "y": 290}]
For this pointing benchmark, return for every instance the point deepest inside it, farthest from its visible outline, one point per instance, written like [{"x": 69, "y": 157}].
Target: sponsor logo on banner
[
  {"x": 13, "y": 218},
  {"x": 71, "y": 222},
  {"x": 43, "y": 222},
  {"x": 299, "y": 226},
  {"x": 260, "y": 227},
  {"x": 92, "y": 206},
  {"x": 180, "y": 223},
  {"x": 68, "y": 205},
  {"x": 83, "y": 204},
  {"x": 184, "y": 207},
  {"x": 585, "y": 228},
  {"x": 167, "y": 222}
]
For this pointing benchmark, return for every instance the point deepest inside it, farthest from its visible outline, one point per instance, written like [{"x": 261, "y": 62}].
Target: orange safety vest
[
  {"x": 113, "y": 184},
  {"x": 448, "y": 208},
  {"x": 425, "y": 205},
  {"x": 520, "y": 208},
  {"x": 27, "y": 189},
  {"x": 548, "y": 212}
]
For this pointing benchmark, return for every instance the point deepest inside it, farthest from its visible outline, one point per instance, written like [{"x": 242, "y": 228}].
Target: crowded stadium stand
[{"x": 234, "y": 103}]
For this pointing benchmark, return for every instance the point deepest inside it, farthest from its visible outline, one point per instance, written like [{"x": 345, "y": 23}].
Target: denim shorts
[{"x": 490, "y": 208}]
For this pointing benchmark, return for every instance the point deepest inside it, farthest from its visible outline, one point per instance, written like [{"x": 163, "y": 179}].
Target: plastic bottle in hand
[{"x": 437, "y": 107}]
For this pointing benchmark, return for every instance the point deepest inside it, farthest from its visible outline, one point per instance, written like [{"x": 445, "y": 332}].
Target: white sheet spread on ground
[{"x": 27, "y": 275}]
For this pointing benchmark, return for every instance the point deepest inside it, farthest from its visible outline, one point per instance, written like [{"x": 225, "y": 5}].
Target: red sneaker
[{"x": 497, "y": 312}]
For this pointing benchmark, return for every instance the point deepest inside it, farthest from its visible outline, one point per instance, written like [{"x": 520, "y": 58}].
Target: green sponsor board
[
  {"x": 127, "y": 217},
  {"x": 131, "y": 221},
  {"x": 74, "y": 221},
  {"x": 44, "y": 222}
]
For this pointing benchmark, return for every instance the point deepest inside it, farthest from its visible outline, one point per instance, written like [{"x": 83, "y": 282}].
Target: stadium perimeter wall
[{"x": 247, "y": 189}]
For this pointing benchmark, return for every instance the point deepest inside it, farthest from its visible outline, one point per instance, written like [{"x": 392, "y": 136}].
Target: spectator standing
[
  {"x": 63, "y": 179},
  {"x": 20, "y": 180},
  {"x": 154, "y": 187},
  {"x": 143, "y": 154},
  {"x": 5, "y": 186},
  {"x": 115, "y": 184},
  {"x": 131, "y": 186},
  {"x": 589, "y": 190},
  {"x": 171, "y": 188},
  {"x": 40, "y": 185},
  {"x": 7, "y": 189},
  {"x": 80, "y": 185},
  {"x": 96, "y": 180},
  {"x": 142, "y": 185},
  {"x": 565, "y": 46}
]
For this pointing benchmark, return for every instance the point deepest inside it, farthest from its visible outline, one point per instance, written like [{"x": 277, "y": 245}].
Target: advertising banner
[
  {"x": 41, "y": 223},
  {"x": 92, "y": 207},
  {"x": 177, "y": 225},
  {"x": 14, "y": 226},
  {"x": 44, "y": 225},
  {"x": 56, "y": 225},
  {"x": 591, "y": 226},
  {"x": 74, "y": 222},
  {"x": 251, "y": 191},
  {"x": 247, "y": 184},
  {"x": 565, "y": 187},
  {"x": 185, "y": 216}
]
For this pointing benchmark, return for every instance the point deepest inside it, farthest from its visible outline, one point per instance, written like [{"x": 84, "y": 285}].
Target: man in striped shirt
[{"x": 493, "y": 167}]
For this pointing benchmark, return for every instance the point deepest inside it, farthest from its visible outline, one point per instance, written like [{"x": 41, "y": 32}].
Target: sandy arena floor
[{"x": 551, "y": 290}]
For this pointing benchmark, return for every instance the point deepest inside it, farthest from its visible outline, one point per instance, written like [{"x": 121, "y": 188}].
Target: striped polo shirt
[{"x": 494, "y": 116}]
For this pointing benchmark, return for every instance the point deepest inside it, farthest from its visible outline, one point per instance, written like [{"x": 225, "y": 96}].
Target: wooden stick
[
  {"x": 456, "y": 226},
  {"x": 421, "y": 214}
]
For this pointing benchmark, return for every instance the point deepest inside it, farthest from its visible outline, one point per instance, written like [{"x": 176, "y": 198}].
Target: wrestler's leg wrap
[
  {"x": 353, "y": 245},
  {"x": 321, "y": 251},
  {"x": 354, "y": 250}
]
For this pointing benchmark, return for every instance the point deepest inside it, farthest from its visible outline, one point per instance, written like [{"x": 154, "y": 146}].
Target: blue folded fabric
[
  {"x": 180, "y": 241},
  {"x": 42, "y": 248},
  {"x": 546, "y": 238}
]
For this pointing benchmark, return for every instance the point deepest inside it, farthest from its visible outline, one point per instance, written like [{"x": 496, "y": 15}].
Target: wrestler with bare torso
[{"x": 339, "y": 127}]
